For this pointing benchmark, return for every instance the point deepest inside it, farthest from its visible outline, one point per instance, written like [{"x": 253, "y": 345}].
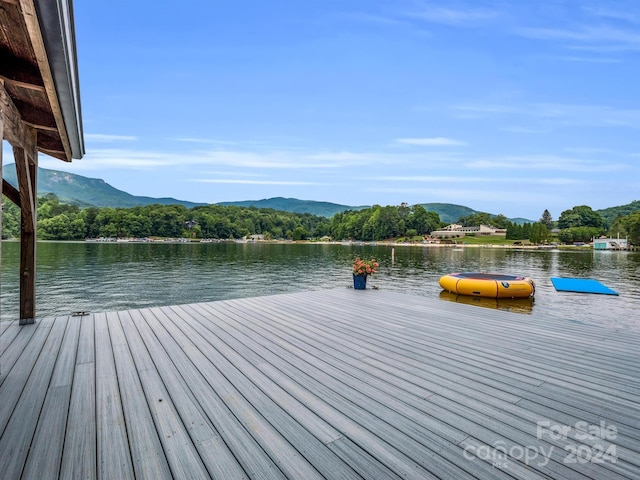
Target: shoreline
[{"x": 457, "y": 247}]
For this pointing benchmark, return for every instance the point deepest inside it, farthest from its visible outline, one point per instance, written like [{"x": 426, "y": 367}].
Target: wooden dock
[{"x": 334, "y": 384}]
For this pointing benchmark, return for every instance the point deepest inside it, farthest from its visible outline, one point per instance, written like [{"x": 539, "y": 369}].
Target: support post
[
  {"x": 26, "y": 171},
  {"x": 23, "y": 139},
  {"x": 1, "y": 182}
]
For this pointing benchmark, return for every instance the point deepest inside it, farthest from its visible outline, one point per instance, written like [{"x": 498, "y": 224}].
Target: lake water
[{"x": 115, "y": 276}]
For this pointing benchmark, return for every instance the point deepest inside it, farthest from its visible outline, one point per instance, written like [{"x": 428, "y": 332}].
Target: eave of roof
[
  {"x": 58, "y": 33},
  {"x": 39, "y": 73}
]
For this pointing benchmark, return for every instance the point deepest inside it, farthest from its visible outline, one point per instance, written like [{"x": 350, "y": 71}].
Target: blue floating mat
[{"x": 581, "y": 285}]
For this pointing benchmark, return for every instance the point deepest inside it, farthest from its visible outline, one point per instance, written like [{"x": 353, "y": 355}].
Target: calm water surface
[{"x": 109, "y": 276}]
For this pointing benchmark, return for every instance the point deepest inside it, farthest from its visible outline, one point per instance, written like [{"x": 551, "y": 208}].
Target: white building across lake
[
  {"x": 610, "y": 244},
  {"x": 454, "y": 230}
]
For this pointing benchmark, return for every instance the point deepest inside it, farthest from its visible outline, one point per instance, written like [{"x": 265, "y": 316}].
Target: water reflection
[
  {"x": 514, "y": 305},
  {"x": 576, "y": 264}
]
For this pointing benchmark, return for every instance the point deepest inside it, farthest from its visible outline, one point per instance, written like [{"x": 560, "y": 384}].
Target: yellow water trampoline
[{"x": 490, "y": 285}]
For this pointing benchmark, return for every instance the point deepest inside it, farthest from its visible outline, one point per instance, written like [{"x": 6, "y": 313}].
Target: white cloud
[
  {"x": 243, "y": 181},
  {"x": 232, "y": 173},
  {"x": 101, "y": 137},
  {"x": 514, "y": 197},
  {"x": 590, "y": 59},
  {"x": 556, "y": 114},
  {"x": 600, "y": 35},
  {"x": 625, "y": 16},
  {"x": 543, "y": 162},
  {"x": 298, "y": 160},
  {"x": 451, "y": 180},
  {"x": 595, "y": 151},
  {"x": 124, "y": 158},
  {"x": 204, "y": 140},
  {"x": 431, "y": 142},
  {"x": 450, "y": 16},
  {"x": 517, "y": 129},
  {"x": 128, "y": 159},
  {"x": 426, "y": 179},
  {"x": 561, "y": 181},
  {"x": 270, "y": 159}
]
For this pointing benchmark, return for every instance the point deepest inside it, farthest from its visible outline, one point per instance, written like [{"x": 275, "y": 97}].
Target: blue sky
[{"x": 508, "y": 107}]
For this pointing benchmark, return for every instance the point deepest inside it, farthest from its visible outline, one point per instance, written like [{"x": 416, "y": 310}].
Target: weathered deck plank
[
  {"x": 15, "y": 348},
  {"x": 79, "y": 454},
  {"x": 381, "y": 418},
  {"x": 23, "y": 422},
  {"x": 250, "y": 456},
  {"x": 407, "y": 411},
  {"x": 322, "y": 459},
  {"x": 213, "y": 451},
  {"x": 297, "y": 386},
  {"x": 46, "y": 448},
  {"x": 148, "y": 457},
  {"x": 250, "y": 405},
  {"x": 114, "y": 455}
]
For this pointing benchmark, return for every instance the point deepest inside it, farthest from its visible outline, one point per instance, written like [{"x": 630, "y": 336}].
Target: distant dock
[{"x": 320, "y": 384}]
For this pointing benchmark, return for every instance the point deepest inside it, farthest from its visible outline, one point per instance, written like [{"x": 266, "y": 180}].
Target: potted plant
[{"x": 362, "y": 268}]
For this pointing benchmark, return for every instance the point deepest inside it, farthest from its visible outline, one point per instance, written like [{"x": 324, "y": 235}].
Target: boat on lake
[{"x": 490, "y": 285}]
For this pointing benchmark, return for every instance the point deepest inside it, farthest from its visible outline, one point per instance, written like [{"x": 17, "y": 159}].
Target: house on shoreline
[
  {"x": 604, "y": 243},
  {"x": 456, "y": 231}
]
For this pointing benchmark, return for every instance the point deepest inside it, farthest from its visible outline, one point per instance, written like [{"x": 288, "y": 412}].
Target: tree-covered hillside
[
  {"x": 612, "y": 213},
  {"x": 61, "y": 221},
  {"x": 448, "y": 212},
  {"x": 324, "y": 209},
  {"x": 85, "y": 192}
]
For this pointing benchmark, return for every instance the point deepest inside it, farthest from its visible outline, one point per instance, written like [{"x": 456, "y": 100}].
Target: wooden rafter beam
[
  {"x": 35, "y": 116},
  {"x": 26, "y": 189},
  {"x": 41, "y": 127},
  {"x": 48, "y": 142},
  {"x": 59, "y": 154},
  {"x": 11, "y": 192},
  {"x": 23, "y": 84},
  {"x": 19, "y": 70},
  {"x": 15, "y": 131}
]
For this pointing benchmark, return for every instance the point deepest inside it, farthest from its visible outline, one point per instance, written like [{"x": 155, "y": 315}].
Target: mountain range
[
  {"x": 85, "y": 192},
  {"x": 88, "y": 192}
]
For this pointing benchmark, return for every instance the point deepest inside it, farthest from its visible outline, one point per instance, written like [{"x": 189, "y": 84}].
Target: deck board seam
[
  {"x": 484, "y": 354},
  {"x": 16, "y": 464},
  {"x": 267, "y": 365},
  {"x": 336, "y": 392},
  {"x": 248, "y": 383},
  {"x": 71, "y": 328},
  {"x": 149, "y": 336},
  {"x": 101, "y": 377},
  {"x": 515, "y": 399},
  {"x": 136, "y": 392},
  {"x": 206, "y": 380},
  {"x": 473, "y": 326},
  {"x": 83, "y": 458}
]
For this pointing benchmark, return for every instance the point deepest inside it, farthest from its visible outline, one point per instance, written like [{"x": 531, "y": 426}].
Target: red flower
[{"x": 367, "y": 267}]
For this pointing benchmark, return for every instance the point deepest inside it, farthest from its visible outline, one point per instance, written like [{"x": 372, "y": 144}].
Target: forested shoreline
[{"x": 61, "y": 221}]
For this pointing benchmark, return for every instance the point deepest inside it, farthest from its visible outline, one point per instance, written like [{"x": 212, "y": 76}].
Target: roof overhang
[{"x": 39, "y": 71}]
